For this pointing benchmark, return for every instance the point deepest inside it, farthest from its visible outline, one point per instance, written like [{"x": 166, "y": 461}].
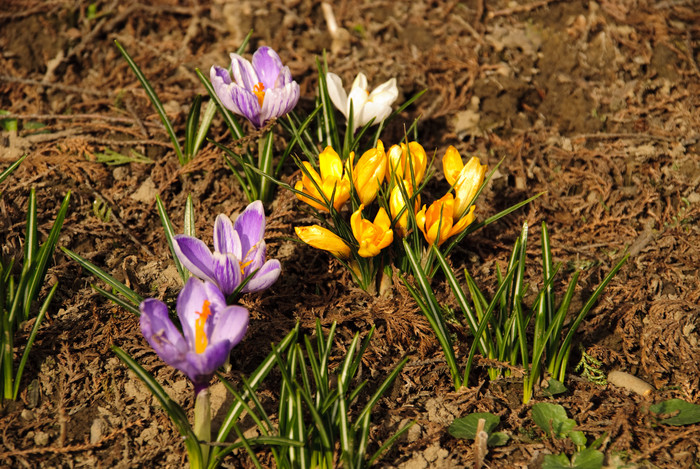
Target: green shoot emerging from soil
[
  {"x": 537, "y": 337},
  {"x": 18, "y": 293}
]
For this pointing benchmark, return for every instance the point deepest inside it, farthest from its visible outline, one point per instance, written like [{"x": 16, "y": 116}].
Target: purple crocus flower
[
  {"x": 239, "y": 250},
  {"x": 262, "y": 90},
  {"x": 211, "y": 329}
]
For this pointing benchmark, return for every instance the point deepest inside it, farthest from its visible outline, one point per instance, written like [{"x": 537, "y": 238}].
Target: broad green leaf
[
  {"x": 552, "y": 419},
  {"x": 465, "y": 427},
  {"x": 497, "y": 439},
  {"x": 554, "y": 387},
  {"x": 589, "y": 458},
  {"x": 688, "y": 413}
]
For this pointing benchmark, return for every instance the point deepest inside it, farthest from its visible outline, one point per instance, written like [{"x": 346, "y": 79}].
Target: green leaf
[
  {"x": 155, "y": 100},
  {"x": 497, "y": 439},
  {"x": 552, "y": 419},
  {"x": 11, "y": 168},
  {"x": 589, "y": 458},
  {"x": 553, "y": 388},
  {"x": 578, "y": 438},
  {"x": 688, "y": 413},
  {"x": 465, "y": 427}
]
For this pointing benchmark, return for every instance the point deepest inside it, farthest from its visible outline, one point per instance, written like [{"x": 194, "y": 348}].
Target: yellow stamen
[
  {"x": 200, "y": 336},
  {"x": 259, "y": 91}
]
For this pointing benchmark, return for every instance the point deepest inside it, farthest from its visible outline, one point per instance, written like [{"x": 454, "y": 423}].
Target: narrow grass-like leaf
[
  {"x": 30, "y": 340},
  {"x": 153, "y": 96},
  {"x": 170, "y": 238},
  {"x": 176, "y": 413},
  {"x": 119, "y": 301},
  {"x": 432, "y": 313},
  {"x": 380, "y": 391},
  {"x": 388, "y": 443},
  {"x": 191, "y": 127},
  {"x": 254, "y": 380},
  {"x": 485, "y": 341},
  {"x": 10, "y": 169},
  {"x": 265, "y": 149},
  {"x": 563, "y": 354},
  {"x": 40, "y": 266},
  {"x": 203, "y": 129},
  {"x": 189, "y": 226},
  {"x": 485, "y": 320},
  {"x": 134, "y": 298}
]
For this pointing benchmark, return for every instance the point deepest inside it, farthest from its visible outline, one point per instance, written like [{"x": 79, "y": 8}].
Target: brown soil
[{"x": 593, "y": 102}]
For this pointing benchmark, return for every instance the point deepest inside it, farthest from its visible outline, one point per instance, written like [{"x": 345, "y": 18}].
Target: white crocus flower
[{"x": 365, "y": 105}]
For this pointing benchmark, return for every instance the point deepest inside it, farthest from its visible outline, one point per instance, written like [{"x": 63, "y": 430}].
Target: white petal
[{"x": 336, "y": 92}]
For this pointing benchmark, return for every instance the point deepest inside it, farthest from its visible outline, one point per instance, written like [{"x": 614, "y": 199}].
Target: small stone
[
  {"x": 27, "y": 414},
  {"x": 41, "y": 438},
  {"x": 97, "y": 430}
]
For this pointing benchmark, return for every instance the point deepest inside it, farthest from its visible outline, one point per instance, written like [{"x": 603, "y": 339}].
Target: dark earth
[{"x": 593, "y": 103}]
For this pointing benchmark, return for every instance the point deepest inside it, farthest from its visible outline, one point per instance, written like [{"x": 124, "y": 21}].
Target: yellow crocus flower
[
  {"x": 399, "y": 162},
  {"x": 372, "y": 236},
  {"x": 466, "y": 179},
  {"x": 368, "y": 174},
  {"x": 332, "y": 177},
  {"x": 322, "y": 238},
  {"x": 397, "y": 203},
  {"x": 438, "y": 222}
]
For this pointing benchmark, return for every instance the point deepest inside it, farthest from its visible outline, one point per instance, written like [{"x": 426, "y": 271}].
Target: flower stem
[{"x": 202, "y": 420}]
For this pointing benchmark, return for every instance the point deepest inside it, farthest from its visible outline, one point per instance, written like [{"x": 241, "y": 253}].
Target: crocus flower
[
  {"x": 438, "y": 221},
  {"x": 465, "y": 178},
  {"x": 369, "y": 172},
  {"x": 263, "y": 89},
  {"x": 322, "y": 238},
  {"x": 365, "y": 105},
  {"x": 333, "y": 178},
  {"x": 211, "y": 329},
  {"x": 239, "y": 250},
  {"x": 372, "y": 236},
  {"x": 397, "y": 203},
  {"x": 405, "y": 166}
]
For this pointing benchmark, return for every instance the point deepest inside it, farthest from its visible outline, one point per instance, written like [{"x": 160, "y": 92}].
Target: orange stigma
[
  {"x": 259, "y": 91},
  {"x": 200, "y": 336}
]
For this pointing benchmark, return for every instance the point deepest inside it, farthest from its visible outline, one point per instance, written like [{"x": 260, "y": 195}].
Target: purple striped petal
[
  {"x": 247, "y": 104},
  {"x": 266, "y": 276},
  {"x": 250, "y": 226},
  {"x": 267, "y": 65},
  {"x": 161, "y": 333},
  {"x": 224, "y": 234},
  {"x": 243, "y": 72},
  {"x": 199, "y": 367},
  {"x": 221, "y": 81},
  {"x": 230, "y": 324},
  {"x": 195, "y": 256},
  {"x": 227, "y": 270},
  {"x": 279, "y": 101}
]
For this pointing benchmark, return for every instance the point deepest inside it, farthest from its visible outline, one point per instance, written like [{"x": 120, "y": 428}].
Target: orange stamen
[
  {"x": 259, "y": 91},
  {"x": 200, "y": 336}
]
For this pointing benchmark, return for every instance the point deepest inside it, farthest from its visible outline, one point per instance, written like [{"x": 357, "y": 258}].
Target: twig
[
  {"x": 603, "y": 136},
  {"x": 689, "y": 52}
]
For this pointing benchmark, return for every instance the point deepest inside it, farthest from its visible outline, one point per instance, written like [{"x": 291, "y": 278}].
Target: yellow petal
[
  {"x": 462, "y": 224},
  {"x": 452, "y": 165},
  {"x": 322, "y": 238},
  {"x": 468, "y": 183},
  {"x": 330, "y": 163},
  {"x": 382, "y": 220}
]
